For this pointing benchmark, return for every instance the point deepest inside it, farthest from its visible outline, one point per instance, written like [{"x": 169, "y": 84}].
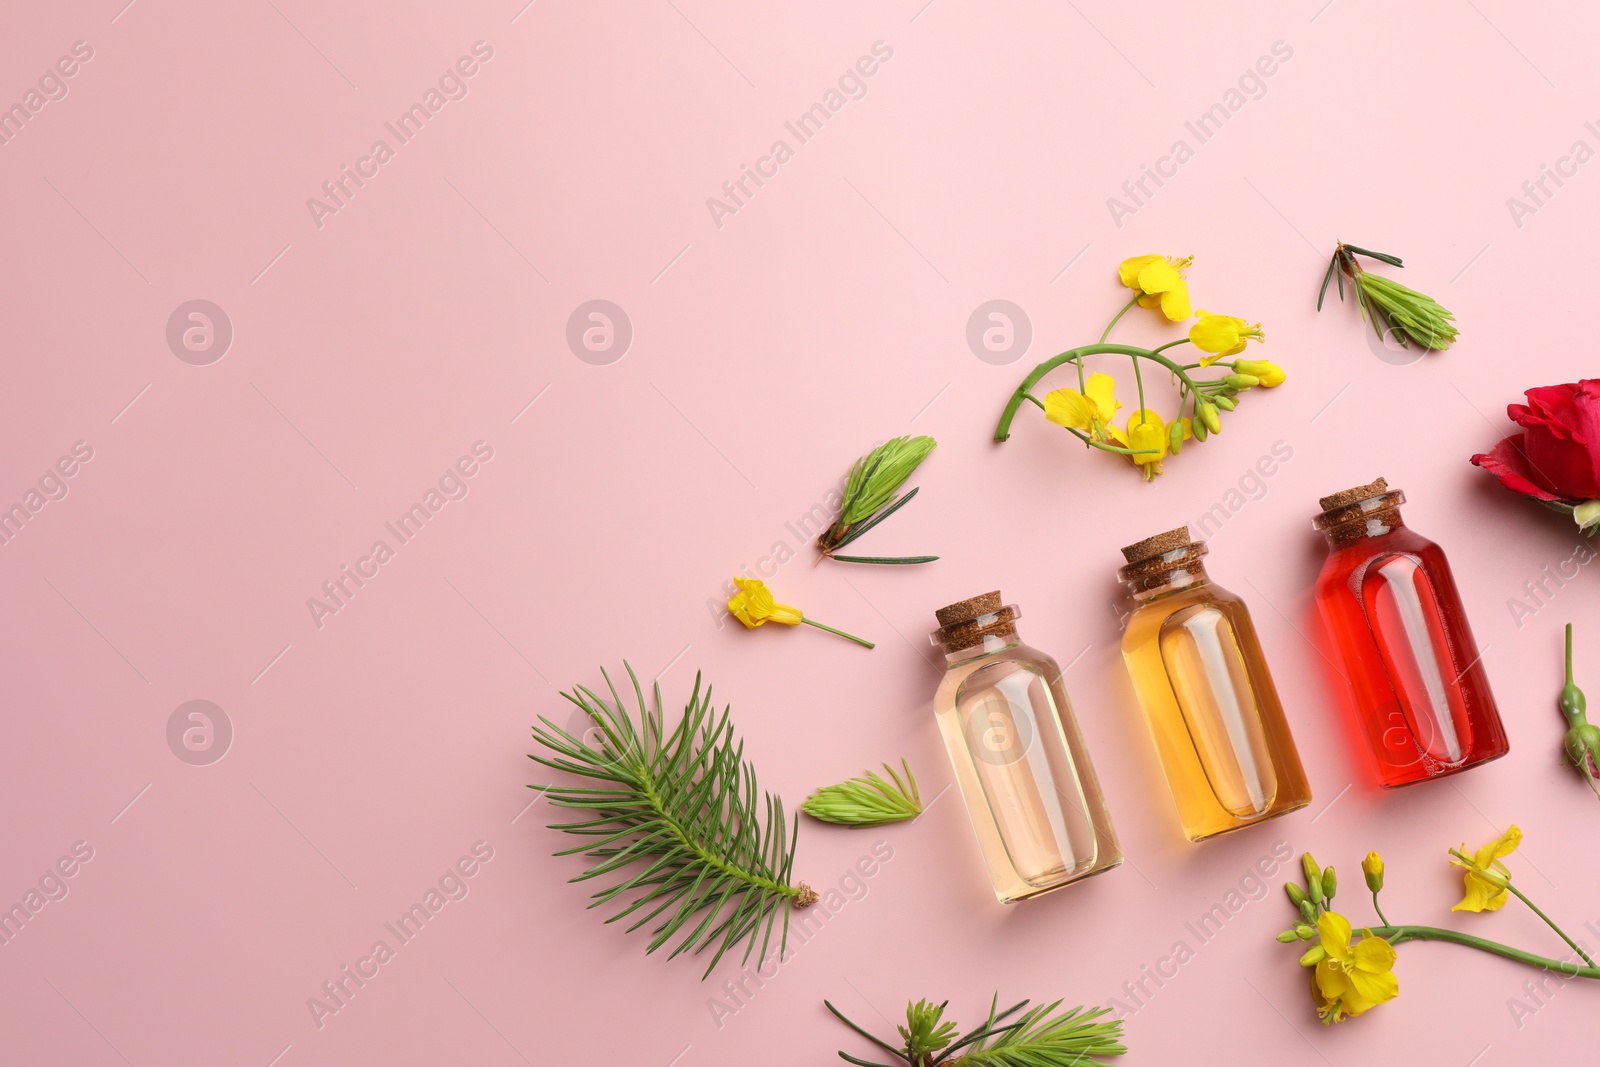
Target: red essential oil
[{"x": 1422, "y": 699}]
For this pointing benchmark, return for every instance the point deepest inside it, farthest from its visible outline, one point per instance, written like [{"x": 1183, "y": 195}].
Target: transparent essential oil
[{"x": 1018, "y": 755}]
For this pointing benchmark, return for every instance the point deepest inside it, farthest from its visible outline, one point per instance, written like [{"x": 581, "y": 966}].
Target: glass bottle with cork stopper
[
  {"x": 1422, "y": 699},
  {"x": 1207, "y": 694},
  {"x": 1019, "y": 758}
]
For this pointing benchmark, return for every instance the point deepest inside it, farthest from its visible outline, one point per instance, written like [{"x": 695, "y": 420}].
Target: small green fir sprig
[
  {"x": 1405, "y": 313},
  {"x": 1040, "y": 1037},
  {"x": 675, "y": 828},
  {"x": 868, "y": 800},
  {"x": 869, "y": 497}
]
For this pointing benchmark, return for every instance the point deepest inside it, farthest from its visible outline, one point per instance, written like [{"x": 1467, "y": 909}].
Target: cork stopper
[
  {"x": 967, "y": 622},
  {"x": 1159, "y": 545},
  {"x": 1166, "y": 559},
  {"x": 1345, "y": 497},
  {"x": 967, "y": 610},
  {"x": 1366, "y": 510}
]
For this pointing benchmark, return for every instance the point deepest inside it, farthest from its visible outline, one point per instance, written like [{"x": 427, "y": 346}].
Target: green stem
[
  {"x": 1118, "y": 316},
  {"x": 841, "y": 633},
  {"x": 1002, "y": 429},
  {"x": 1377, "y": 909},
  {"x": 1396, "y": 935},
  {"x": 1173, "y": 344}
]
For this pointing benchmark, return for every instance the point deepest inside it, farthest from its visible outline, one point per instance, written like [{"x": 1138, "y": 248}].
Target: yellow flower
[
  {"x": 1486, "y": 877},
  {"x": 1270, "y": 373},
  {"x": 753, "y": 605},
  {"x": 1159, "y": 282},
  {"x": 1351, "y": 979},
  {"x": 1147, "y": 430},
  {"x": 1222, "y": 335},
  {"x": 1373, "y": 866},
  {"x": 1091, "y": 410}
]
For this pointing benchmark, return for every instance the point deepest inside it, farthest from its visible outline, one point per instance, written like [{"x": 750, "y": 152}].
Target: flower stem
[
  {"x": 841, "y": 633},
  {"x": 1377, "y": 909},
  {"x": 1118, "y": 316},
  {"x": 1398, "y": 934},
  {"x": 1002, "y": 429}
]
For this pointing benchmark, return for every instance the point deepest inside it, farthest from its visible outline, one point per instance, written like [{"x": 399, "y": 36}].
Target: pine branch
[
  {"x": 1041, "y": 1037},
  {"x": 680, "y": 830},
  {"x": 867, "y": 801}
]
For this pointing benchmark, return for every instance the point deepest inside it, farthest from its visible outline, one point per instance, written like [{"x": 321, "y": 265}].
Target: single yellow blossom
[
  {"x": 1486, "y": 877},
  {"x": 1148, "y": 432},
  {"x": 754, "y": 605},
  {"x": 1351, "y": 979},
  {"x": 1222, "y": 335},
  {"x": 1270, "y": 373},
  {"x": 1159, "y": 282},
  {"x": 1090, "y": 411},
  {"x": 1373, "y": 866}
]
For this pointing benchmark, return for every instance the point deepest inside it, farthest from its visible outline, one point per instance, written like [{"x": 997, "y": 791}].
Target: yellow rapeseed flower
[
  {"x": 1159, "y": 282},
  {"x": 1351, "y": 979},
  {"x": 754, "y": 605},
  {"x": 1486, "y": 878},
  {"x": 1090, "y": 411},
  {"x": 1148, "y": 432},
  {"x": 1222, "y": 335}
]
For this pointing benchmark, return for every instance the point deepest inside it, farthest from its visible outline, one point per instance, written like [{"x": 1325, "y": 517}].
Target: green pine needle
[
  {"x": 869, "y": 494},
  {"x": 678, "y": 825},
  {"x": 1409, "y": 316},
  {"x": 868, "y": 801},
  {"x": 1041, "y": 1037}
]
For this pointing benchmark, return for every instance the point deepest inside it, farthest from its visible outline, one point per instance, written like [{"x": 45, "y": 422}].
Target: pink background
[{"x": 827, "y": 313}]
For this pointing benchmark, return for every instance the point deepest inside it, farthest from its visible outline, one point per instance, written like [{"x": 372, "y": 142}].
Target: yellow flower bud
[
  {"x": 1373, "y": 866},
  {"x": 1268, "y": 372},
  {"x": 1208, "y": 416},
  {"x": 1313, "y": 878},
  {"x": 1242, "y": 381},
  {"x": 1226, "y": 403},
  {"x": 1314, "y": 955},
  {"x": 1296, "y": 894}
]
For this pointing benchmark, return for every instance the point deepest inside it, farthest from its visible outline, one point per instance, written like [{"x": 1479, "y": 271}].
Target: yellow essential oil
[{"x": 1207, "y": 694}]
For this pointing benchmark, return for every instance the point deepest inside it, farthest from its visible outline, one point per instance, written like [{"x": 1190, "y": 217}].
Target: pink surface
[{"x": 374, "y": 346}]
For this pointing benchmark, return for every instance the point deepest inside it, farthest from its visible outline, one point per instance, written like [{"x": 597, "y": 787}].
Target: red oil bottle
[{"x": 1422, "y": 698}]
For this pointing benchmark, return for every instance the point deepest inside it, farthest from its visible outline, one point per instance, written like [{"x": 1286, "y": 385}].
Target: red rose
[{"x": 1557, "y": 454}]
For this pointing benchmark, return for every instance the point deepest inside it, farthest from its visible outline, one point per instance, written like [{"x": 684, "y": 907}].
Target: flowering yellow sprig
[
  {"x": 1353, "y": 977},
  {"x": 1147, "y": 436},
  {"x": 754, "y": 605}
]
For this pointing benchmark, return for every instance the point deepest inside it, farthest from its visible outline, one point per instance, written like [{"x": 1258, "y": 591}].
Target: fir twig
[
  {"x": 867, "y": 801},
  {"x": 1041, "y": 1037},
  {"x": 869, "y": 496},
  {"x": 678, "y": 824}
]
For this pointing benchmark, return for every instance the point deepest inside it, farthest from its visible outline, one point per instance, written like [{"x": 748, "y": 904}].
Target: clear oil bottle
[
  {"x": 1019, "y": 758},
  {"x": 1207, "y": 694}
]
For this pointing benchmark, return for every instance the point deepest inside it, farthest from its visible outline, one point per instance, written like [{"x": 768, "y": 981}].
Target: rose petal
[{"x": 1507, "y": 462}]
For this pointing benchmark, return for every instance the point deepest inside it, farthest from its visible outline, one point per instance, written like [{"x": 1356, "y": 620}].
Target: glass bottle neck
[
  {"x": 987, "y": 645},
  {"x": 1376, "y": 525},
  {"x": 1190, "y": 576}
]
